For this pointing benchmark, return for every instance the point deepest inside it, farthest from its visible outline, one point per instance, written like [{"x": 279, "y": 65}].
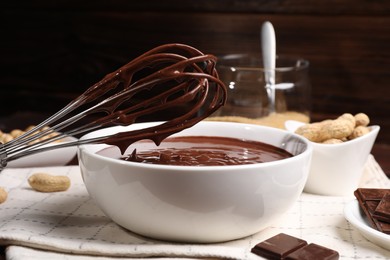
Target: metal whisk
[{"x": 170, "y": 77}]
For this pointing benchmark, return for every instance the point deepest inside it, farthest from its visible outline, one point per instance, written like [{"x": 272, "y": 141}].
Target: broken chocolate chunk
[
  {"x": 369, "y": 200},
  {"x": 313, "y": 251},
  {"x": 278, "y": 246},
  {"x": 371, "y": 194},
  {"x": 382, "y": 211}
]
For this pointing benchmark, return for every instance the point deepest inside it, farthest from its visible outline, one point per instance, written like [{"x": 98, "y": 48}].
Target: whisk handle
[{"x": 3, "y": 157}]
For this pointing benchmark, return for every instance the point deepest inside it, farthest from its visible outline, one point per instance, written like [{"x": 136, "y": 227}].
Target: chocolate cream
[{"x": 205, "y": 151}]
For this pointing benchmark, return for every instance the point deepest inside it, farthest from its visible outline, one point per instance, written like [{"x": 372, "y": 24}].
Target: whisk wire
[{"x": 179, "y": 73}]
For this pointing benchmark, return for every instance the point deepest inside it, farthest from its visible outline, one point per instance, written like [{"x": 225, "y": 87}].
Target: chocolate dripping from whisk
[
  {"x": 193, "y": 76},
  {"x": 172, "y": 75}
]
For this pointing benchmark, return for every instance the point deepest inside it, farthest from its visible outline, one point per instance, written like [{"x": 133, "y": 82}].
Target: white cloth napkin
[{"x": 68, "y": 225}]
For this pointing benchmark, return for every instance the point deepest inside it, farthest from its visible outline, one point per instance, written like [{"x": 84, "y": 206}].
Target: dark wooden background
[{"x": 53, "y": 50}]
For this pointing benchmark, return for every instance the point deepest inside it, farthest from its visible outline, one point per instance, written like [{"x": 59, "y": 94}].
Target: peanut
[
  {"x": 29, "y": 128},
  {"x": 350, "y": 118},
  {"x": 334, "y": 129},
  {"x": 343, "y": 128},
  {"x": 362, "y": 119},
  {"x": 16, "y": 132},
  {"x": 358, "y": 131},
  {"x": 312, "y": 131},
  {"x": 3, "y": 195},
  {"x": 333, "y": 141},
  {"x": 6, "y": 137},
  {"x": 45, "y": 182}
]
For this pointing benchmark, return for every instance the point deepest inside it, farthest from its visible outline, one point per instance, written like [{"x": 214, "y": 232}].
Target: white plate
[
  {"x": 353, "y": 214},
  {"x": 55, "y": 157}
]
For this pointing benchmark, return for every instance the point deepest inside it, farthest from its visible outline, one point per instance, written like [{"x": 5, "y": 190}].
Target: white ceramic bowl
[
  {"x": 336, "y": 169},
  {"x": 198, "y": 203}
]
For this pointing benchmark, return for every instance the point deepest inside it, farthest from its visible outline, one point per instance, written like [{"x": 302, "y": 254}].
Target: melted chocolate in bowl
[{"x": 204, "y": 151}]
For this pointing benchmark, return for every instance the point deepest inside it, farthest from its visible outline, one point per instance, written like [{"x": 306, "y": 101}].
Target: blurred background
[{"x": 51, "y": 51}]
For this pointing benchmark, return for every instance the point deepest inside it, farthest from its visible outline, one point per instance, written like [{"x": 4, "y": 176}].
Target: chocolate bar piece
[
  {"x": 382, "y": 211},
  {"x": 313, "y": 251},
  {"x": 373, "y": 194},
  {"x": 369, "y": 199},
  {"x": 278, "y": 247},
  {"x": 283, "y": 246}
]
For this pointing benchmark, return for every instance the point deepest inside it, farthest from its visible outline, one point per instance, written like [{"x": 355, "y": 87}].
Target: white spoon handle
[{"x": 268, "y": 46}]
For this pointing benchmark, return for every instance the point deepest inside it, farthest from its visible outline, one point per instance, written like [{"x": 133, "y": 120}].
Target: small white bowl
[
  {"x": 55, "y": 157},
  {"x": 198, "y": 203},
  {"x": 336, "y": 169}
]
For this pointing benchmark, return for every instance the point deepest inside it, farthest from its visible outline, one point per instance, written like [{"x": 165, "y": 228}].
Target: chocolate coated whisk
[{"x": 170, "y": 77}]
